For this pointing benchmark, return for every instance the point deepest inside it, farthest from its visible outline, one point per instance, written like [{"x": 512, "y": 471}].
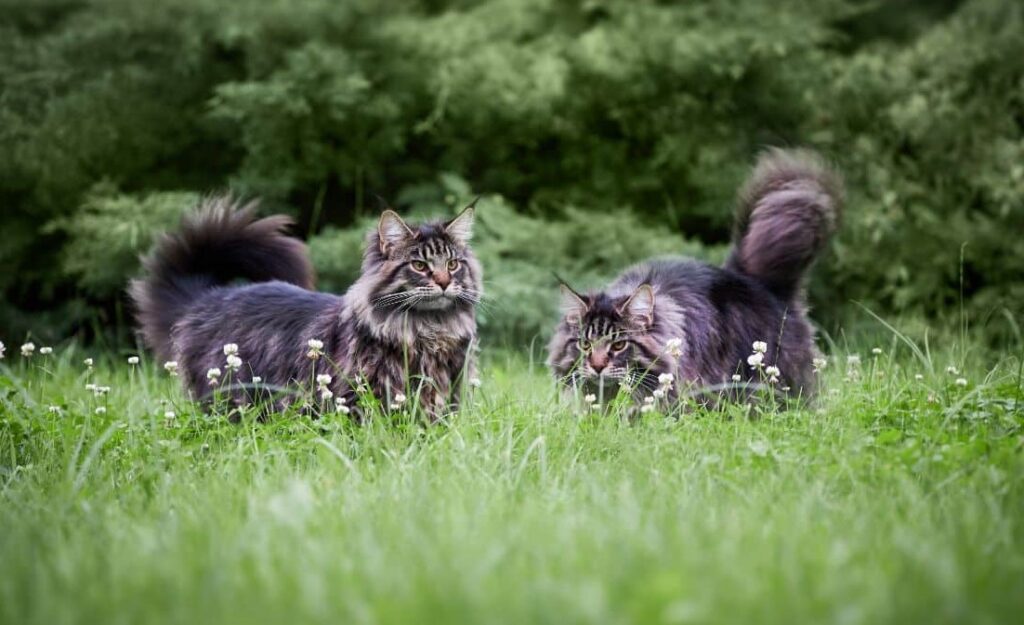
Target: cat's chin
[{"x": 433, "y": 304}]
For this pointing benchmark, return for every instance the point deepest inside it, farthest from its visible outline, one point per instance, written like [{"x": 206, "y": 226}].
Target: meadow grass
[{"x": 890, "y": 499}]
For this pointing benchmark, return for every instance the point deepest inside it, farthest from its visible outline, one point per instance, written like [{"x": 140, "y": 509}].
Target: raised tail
[
  {"x": 222, "y": 241},
  {"x": 787, "y": 210}
]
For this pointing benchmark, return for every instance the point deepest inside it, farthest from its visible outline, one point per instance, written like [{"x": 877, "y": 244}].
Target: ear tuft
[
  {"x": 392, "y": 230},
  {"x": 640, "y": 305},
  {"x": 461, "y": 228},
  {"x": 573, "y": 306}
]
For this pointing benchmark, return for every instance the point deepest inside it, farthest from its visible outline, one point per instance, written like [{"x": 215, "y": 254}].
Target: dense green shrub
[{"x": 636, "y": 118}]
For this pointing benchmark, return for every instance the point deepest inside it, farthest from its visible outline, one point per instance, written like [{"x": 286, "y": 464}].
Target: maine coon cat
[
  {"x": 674, "y": 326},
  {"x": 406, "y": 326}
]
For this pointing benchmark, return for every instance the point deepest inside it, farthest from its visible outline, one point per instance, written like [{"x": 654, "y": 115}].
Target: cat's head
[
  {"x": 425, "y": 269},
  {"x": 605, "y": 340}
]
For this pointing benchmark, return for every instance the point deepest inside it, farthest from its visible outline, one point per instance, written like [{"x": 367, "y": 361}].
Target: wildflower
[
  {"x": 133, "y": 360},
  {"x": 343, "y": 409},
  {"x": 54, "y": 409},
  {"x": 326, "y": 393},
  {"x": 760, "y": 347},
  {"x": 918, "y": 377},
  {"x": 399, "y": 399},
  {"x": 674, "y": 347},
  {"x": 316, "y": 349},
  {"x": 2, "y": 348},
  {"x": 961, "y": 382},
  {"x": 233, "y": 363},
  {"x": 590, "y": 398},
  {"x": 257, "y": 379},
  {"x": 773, "y": 373},
  {"x": 784, "y": 389},
  {"x": 340, "y": 401},
  {"x": 45, "y": 351},
  {"x": 648, "y": 400},
  {"x": 819, "y": 364},
  {"x": 213, "y": 375},
  {"x": 231, "y": 349},
  {"x": 595, "y": 406},
  {"x": 101, "y": 410},
  {"x": 755, "y": 360},
  {"x": 475, "y": 382},
  {"x": 951, "y": 370},
  {"x": 88, "y": 362},
  {"x": 853, "y": 360},
  {"x": 171, "y": 367},
  {"x": 28, "y": 349},
  {"x": 90, "y": 387},
  {"x": 658, "y": 393},
  {"x": 99, "y": 391},
  {"x": 323, "y": 379},
  {"x": 169, "y": 415},
  {"x": 876, "y": 351},
  {"x": 736, "y": 377},
  {"x": 646, "y": 408},
  {"x": 665, "y": 379}
]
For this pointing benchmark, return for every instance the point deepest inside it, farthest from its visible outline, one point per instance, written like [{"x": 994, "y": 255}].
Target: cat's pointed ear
[
  {"x": 574, "y": 306},
  {"x": 640, "y": 305},
  {"x": 461, "y": 228},
  {"x": 392, "y": 230}
]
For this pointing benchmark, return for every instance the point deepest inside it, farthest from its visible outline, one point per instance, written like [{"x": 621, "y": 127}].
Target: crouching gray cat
[
  {"x": 676, "y": 326},
  {"x": 407, "y": 325}
]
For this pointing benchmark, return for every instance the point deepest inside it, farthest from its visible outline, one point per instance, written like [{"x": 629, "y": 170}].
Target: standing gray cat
[
  {"x": 407, "y": 325},
  {"x": 674, "y": 326}
]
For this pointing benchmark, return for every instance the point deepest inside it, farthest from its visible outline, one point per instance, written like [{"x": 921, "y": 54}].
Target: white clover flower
[
  {"x": 658, "y": 393},
  {"x": 399, "y": 399},
  {"x": 45, "y": 351},
  {"x": 213, "y": 375},
  {"x": 343, "y": 409},
  {"x": 590, "y": 398},
  {"x": 852, "y": 360},
  {"x": 918, "y": 377},
  {"x": 28, "y": 349},
  {"x": 961, "y": 382},
  {"x": 755, "y": 360},
  {"x": 101, "y": 410},
  {"x": 760, "y": 347},
  {"x": 340, "y": 400},
  {"x": 819, "y": 364},
  {"x": 2, "y": 349},
  {"x": 647, "y": 408},
  {"x": 257, "y": 379},
  {"x": 476, "y": 382},
  {"x": 951, "y": 370},
  {"x": 674, "y": 347},
  {"x": 133, "y": 360},
  {"x": 171, "y": 367},
  {"x": 90, "y": 387},
  {"x": 233, "y": 363},
  {"x": 595, "y": 406},
  {"x": 100, "y": 391},
  {"x": 323, "y": 379},
  {"x": 169, "y": 414},
  {"x": 231, "y": 349},
  {"x": 326, "y": 393},
  {"x": 316, "y": 349},
  {"x": 53, "y": 409},
  {"x": 736, "y": 377},
  {"x": 648, "y": 400},
  {"x": 666, "y": 379},
  {"x": 772, "y": 370},
  {"x": 876, "y": 351},
  {"x": 88, "y": 362},
  {"x": 784, "y": 389}
]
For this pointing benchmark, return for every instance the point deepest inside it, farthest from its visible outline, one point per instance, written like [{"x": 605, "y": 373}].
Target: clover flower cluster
[
  {"x": 591, "y": 400},
  {"x": 322, "y": 381},
  {"x": 665, "y": 383},
  {"x": 315, "y": 349},
  {"x": 756, "y": 361}
]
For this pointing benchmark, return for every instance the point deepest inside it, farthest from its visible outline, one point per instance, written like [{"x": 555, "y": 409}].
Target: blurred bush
[{"x": 603, "y": 131}]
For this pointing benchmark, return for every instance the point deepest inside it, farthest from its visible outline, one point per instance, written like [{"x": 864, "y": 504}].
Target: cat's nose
[
  {"x": 598, "y": 362},
  {"x": 442, "y": 279}
]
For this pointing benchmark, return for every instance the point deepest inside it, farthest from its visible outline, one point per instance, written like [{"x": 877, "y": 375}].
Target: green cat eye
[
  {"x": 453, "y": 264},
  {"x": 618, "y": 346},
  {"x": 419, "y": 265}
]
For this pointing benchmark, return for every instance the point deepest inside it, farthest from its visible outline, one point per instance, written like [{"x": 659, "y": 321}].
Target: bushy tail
[
  {"x": 787, "y": 211},
  {"x": 220, "y": 242}
]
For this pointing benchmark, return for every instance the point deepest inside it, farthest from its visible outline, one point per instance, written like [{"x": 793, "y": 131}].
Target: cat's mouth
[{"x": 439, "y": 301}]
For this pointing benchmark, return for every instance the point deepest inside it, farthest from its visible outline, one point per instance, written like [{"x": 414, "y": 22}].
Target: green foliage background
[{"x": 601, "y": 132}]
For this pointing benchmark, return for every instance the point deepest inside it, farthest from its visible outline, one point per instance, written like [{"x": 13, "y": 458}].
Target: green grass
[{"x": 891, "y": 500}]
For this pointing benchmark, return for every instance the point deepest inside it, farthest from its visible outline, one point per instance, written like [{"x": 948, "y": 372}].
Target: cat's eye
[
  {"x": 453, "y": 264},
  {"x": 419, "y": 265},
  {"x": 584, "y": 345},
  {"x": 618, "y": 346}
]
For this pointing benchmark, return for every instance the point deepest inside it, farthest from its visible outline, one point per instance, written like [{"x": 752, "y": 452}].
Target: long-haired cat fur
[
  {"x": 621, "y": 335},
  {"x": 407, "y": 325}
]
